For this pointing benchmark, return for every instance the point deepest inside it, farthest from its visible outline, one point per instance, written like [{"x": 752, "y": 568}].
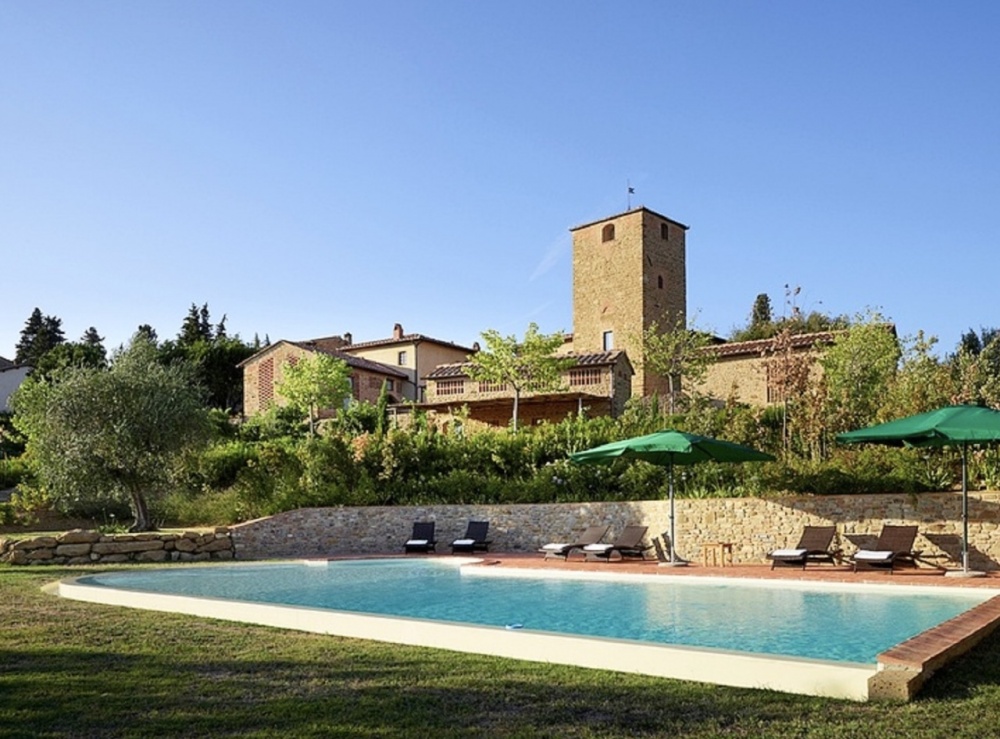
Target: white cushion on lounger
[
  {"x": 555, "y": 547},
  {"x": 463, "y": 542},
  {"x": 873, "y": 556},
  {"x": 417, "y": 543},
  {"x": 788, "y": 552},
  {"x": 597, "y": 547}
]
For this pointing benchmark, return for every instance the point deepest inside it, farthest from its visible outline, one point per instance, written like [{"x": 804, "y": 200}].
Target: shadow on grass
[
  {"x": 72, "y": 669},
  {"x": 368, "y": 691}
]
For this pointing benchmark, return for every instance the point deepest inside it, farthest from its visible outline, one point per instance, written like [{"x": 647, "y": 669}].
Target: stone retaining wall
[
  {"x": 80, "y": 547},
  {"x": 755, "y": 526}
]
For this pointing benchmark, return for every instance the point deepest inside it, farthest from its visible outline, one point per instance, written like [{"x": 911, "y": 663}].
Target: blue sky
[{"x": 311, "y": 168}]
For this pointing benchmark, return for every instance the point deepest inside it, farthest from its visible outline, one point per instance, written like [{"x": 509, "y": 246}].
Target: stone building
[
  {"x": 399, "y": 361},
  {"x": 628, "y": 272},
  {"x": 598, "y": 384},
  {"x": 415, "y": 354},
  {"x": 749, "y": 371},
  {"x": 264, "y": 371}
]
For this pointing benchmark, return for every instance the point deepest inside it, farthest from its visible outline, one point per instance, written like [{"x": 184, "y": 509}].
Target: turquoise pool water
[{"x": 826, "y": 623}]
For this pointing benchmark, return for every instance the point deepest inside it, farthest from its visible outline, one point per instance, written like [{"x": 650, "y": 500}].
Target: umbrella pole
[
  {"x": 674, "y": 560},
  {"x": 965, "y": 571},
  {"x": 965, "y": 508},
  {"x": 670, "y": 495}
]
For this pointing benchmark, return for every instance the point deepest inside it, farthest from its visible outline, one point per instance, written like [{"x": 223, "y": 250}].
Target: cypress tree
[{"x": 39, "y": 335}]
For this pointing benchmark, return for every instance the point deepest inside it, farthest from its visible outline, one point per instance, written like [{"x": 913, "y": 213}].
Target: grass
[{"x": 71, "y": 669}]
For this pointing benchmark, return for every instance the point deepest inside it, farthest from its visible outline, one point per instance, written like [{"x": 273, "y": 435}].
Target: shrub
[{"x": 13, "y": 471}]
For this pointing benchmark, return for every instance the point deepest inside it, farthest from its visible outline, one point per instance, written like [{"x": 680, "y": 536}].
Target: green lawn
[{"x": 70, "y": 669}]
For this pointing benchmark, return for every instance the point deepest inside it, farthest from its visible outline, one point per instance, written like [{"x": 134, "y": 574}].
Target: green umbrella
[
  {"x": 953, "y": 425},
  {"x": 669, "y": 448}
]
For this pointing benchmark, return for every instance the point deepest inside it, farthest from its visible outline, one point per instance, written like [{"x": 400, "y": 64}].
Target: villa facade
[
  {"x": 398, "y": 362},
  {"x": 597, "y": 384}
]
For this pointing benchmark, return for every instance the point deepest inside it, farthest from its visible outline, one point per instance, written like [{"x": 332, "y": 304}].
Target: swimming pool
[
  {"x": 803, "y": 637},
  {"x": 838, "y": 624}
]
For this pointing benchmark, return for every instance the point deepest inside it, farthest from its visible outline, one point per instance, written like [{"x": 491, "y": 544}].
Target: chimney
[
  {"x": 397, "y": 331},
  {"x": 348, "y": 339}
]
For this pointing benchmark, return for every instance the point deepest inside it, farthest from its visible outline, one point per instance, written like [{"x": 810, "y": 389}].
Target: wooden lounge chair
[
  {"x": 813, "y": 546},
  {"x": 422, "y": 539},
  {"x": 562, "y": 549},
  {"x": 893, "y": 548},
  {"x": 474, "y": 539},
  {"x": 628, "y": 544}
]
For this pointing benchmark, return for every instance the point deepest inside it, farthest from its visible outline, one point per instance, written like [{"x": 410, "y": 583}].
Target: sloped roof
[
  {"x": 6, "y": 364},
  {"x": 350, "y": 359},
  {"x": 598, "y": 359},
  {"x": 630, "y": 212},
  {"x": 759, "y": 346},
  {"x": 405, "y": 339}
]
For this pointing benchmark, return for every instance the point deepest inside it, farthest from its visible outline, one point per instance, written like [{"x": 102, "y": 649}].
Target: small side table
[{"x": 717, "y": 554}]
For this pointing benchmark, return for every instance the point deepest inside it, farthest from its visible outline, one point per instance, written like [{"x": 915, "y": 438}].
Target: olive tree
[{"x": 112, "y": 434}]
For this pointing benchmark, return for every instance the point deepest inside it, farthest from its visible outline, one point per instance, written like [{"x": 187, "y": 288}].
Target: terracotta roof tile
[
  {"x": 404, "y": 339},
  {"x": 759, "y": 346},
  {"x": 352, "y": 361}
]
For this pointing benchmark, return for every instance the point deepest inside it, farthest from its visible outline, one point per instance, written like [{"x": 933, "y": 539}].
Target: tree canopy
[
  {"x": 674, "y": 351},
  {"x": 527, "y": 365},
  {"x": 39, "y": 335},
  {"x": 112, "y": 434},
  {"x": 315, "y": 382},
  {"x": 763, "y": 324}
]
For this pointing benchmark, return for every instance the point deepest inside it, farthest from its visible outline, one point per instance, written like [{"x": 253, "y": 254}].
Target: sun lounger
[
  {"x": 628, "y": 544},
  {"x": 474, "y": 539},
  {"x": 813, "y": 546},
  {"x": 422, "y": 538},
  {"x": 893, "y": 548},
  {"x": 558, "y": 550}
]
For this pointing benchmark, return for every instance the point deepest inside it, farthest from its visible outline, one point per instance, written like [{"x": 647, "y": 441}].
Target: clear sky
[{"x": 310, "y": 168}]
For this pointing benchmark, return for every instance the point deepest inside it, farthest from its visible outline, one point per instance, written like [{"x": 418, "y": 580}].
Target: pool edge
[{"x": 720, "y": 667}]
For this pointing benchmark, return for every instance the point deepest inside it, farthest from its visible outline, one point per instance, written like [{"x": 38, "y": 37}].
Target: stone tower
[{"x": 628, "y": 271}]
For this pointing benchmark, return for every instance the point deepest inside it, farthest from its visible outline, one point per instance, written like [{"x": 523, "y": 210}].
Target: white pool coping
[{"x": 721, "y": 667}]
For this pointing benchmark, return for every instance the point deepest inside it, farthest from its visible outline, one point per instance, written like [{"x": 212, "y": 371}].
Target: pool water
[{"x": 844, "y": 624}]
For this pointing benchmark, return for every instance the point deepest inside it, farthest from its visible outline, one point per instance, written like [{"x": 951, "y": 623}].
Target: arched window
[
  {"x": 608, "y": 232},
  {"x": 664, "y": 231}
]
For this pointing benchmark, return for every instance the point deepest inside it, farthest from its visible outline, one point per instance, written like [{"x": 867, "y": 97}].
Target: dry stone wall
[
  {"x": 755, "y": 526},
  {"x": 79, "y": 547}
]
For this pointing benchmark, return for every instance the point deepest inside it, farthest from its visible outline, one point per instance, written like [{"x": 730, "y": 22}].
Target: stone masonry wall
[
  {"x": 617, "y": 284},
  {"x": 80, "y": 547},
  {"x": 754, "y": 526}
]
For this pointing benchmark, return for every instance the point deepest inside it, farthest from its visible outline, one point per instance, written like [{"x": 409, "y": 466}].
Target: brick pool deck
[{"x": 903, "y": 669}]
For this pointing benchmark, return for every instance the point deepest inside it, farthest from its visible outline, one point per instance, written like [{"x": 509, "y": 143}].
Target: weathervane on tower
[{"x": 629, "y": 192}]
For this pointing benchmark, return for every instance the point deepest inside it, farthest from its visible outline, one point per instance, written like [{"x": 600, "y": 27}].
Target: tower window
[
  {"x": 608, "y": 232},
  {"x": 659, "y": 281},
  {"x": 608, "y": 340},
  {"x": 664, "y": 231}
]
